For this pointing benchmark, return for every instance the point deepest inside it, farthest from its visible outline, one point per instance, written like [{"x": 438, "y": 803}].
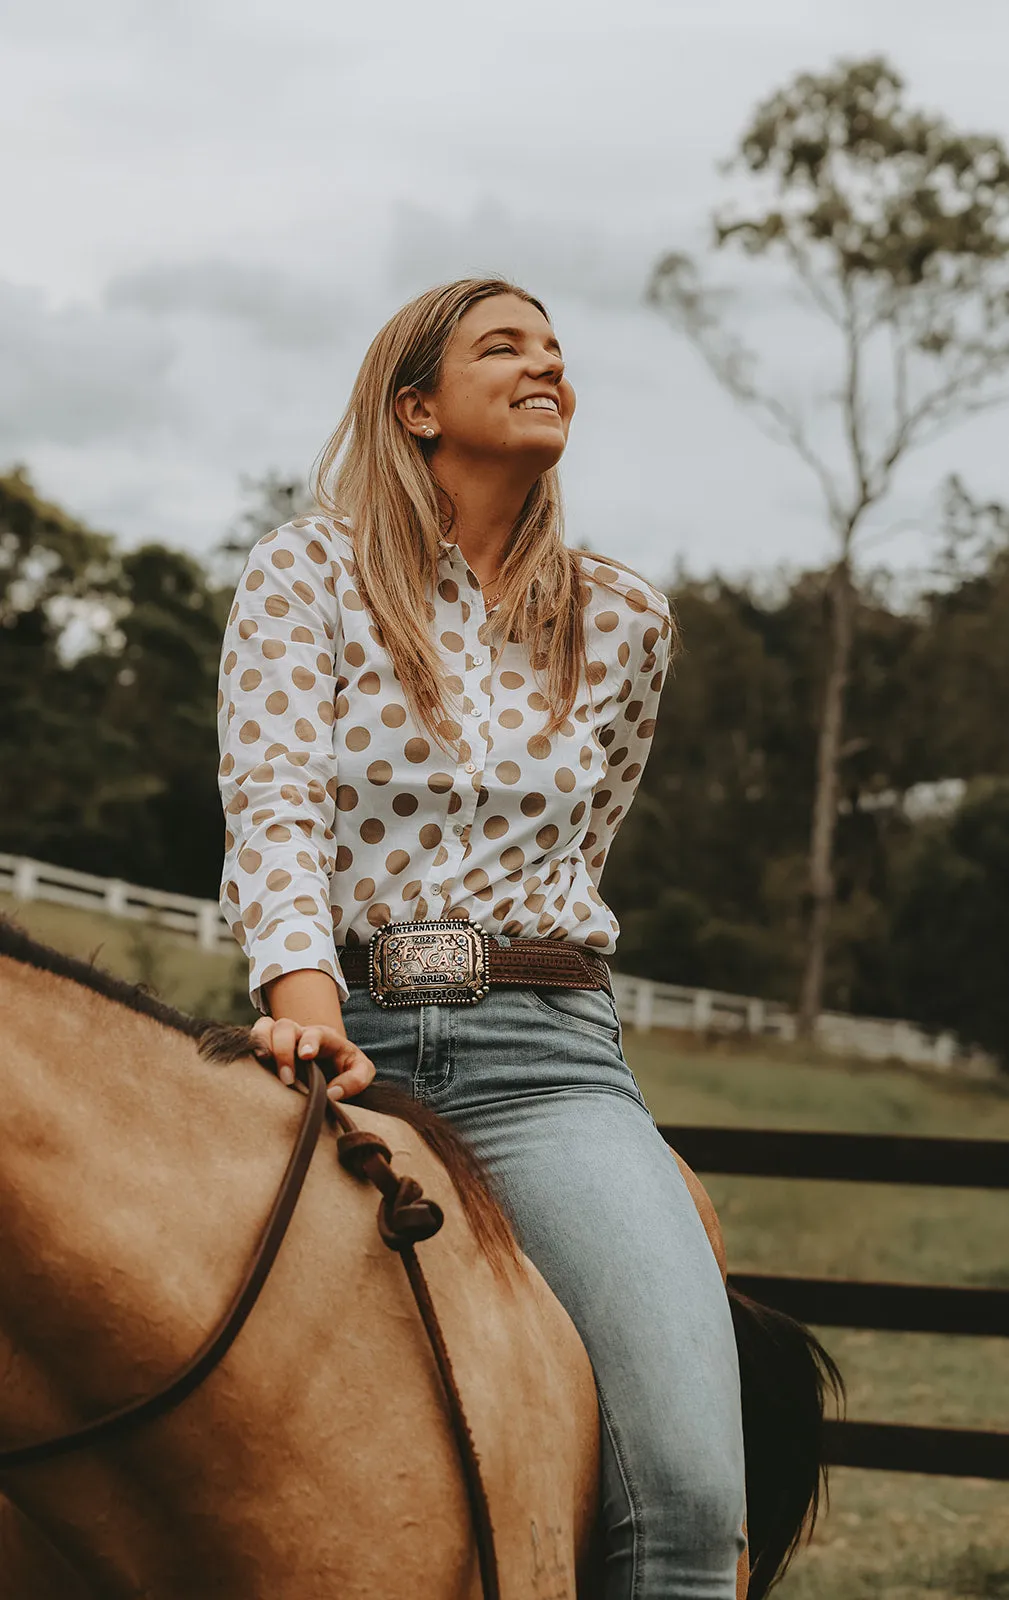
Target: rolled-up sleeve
[{"x": 278, "y": 770}]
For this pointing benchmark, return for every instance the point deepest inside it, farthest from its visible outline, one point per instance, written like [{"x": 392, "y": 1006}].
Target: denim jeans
[{"x": 536, "y": 1081}]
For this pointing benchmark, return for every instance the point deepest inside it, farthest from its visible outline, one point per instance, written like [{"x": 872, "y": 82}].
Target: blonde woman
[{"x": 433, "y": 718}]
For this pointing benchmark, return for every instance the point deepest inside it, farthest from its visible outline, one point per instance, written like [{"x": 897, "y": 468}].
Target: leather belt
[{"x": 416, "y": 963}]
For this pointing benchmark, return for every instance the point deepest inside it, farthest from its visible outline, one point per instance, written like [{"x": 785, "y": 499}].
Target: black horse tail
[{"x": 785, "y": 1377}]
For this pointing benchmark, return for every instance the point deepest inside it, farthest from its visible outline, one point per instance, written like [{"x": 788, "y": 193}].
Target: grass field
[
  {"x": 903, "y": 1537},
  {"x": 886, "y": 1534}
]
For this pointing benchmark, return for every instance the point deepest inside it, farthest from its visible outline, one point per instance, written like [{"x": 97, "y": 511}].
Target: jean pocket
[{"x": 590, "y": 1010}]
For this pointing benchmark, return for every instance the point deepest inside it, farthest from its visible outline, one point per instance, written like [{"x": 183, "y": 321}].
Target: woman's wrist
[{"x": 306, "y": 996}]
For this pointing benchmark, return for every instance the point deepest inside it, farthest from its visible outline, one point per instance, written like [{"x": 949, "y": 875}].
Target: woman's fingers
[
  {"x": 356, "y": 1072},
  {"x": 283, "y": 1045},
  {"x": 287, "y": 1042}
]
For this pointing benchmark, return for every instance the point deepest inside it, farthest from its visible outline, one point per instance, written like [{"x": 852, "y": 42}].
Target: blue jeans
[{"x": 536, "y": 1082}]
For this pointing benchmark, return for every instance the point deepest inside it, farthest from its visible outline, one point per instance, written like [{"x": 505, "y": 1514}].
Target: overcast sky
[{"x": 210, "y": 206}]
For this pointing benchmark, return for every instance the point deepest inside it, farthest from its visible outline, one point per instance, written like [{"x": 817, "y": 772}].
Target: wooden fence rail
[{"x": 843, "y": 1303}]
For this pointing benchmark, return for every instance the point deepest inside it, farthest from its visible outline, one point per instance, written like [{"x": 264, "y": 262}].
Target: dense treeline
[{"x": 108, "y": 664}]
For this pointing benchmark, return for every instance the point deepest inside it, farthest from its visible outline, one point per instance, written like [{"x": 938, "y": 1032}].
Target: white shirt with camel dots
[{"x": 343, "y": 814}]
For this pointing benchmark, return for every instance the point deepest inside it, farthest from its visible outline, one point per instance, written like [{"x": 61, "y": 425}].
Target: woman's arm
[
  {"x": 627, "y": 739},
  {"x": 278, "y": 770}
]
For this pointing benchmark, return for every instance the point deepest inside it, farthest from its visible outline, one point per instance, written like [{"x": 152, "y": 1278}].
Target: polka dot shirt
[{"x": 343, "y": 815}]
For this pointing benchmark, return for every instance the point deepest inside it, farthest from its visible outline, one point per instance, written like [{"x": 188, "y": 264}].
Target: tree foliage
[{"x": 894, "y": 227}]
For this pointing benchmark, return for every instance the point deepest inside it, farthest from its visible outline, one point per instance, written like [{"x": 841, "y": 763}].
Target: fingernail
[
  {"x": 306, "y": 1050},
  {"x": 336, "y": 1093},
  {"x": 286, "y": 1076}
]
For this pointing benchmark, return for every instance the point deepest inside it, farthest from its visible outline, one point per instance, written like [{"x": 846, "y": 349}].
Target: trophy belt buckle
[{"x": 441, "y": 962}]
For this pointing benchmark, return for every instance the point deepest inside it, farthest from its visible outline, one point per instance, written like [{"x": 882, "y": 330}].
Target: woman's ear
[{"x": 415, "y": 414}]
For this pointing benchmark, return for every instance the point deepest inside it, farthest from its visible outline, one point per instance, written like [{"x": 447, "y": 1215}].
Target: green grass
[
  {"x": 202, "y": 982},
  {"x": 886, "y": 1534},
  {"x": 898, "y": 1536}
]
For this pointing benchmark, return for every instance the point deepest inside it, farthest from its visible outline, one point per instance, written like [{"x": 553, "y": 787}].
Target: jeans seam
[
  {"x": 423, "y": 1087},
  {"x": 632, "y": 1500},
  {"x": 418, "y": 1065}
]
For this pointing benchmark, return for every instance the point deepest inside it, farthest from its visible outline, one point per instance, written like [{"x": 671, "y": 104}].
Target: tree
[
  {"x": 950, "y": 922},
  {"x": 894, "y": 228}
]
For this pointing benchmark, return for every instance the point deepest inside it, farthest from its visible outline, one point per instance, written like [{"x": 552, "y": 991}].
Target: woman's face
[{"x": 502, "y": 390}]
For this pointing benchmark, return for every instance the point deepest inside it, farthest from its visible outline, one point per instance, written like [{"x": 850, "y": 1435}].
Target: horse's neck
[{"x": 125, "y": 1170}]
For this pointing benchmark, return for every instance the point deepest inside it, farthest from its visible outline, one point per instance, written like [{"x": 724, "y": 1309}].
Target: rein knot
[
  {"x": 405, "y": 1216},
  {"x": 354, "y": 1148}
]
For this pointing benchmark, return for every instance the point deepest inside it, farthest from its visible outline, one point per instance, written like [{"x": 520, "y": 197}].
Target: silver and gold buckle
[{"x": 443, "y": 962}]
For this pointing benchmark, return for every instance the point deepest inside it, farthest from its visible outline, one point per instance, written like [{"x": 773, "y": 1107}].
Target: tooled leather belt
[{"x": 453, "y": 961}]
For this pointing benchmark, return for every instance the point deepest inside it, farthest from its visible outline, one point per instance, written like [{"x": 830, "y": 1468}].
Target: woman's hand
[{"x": 285, "y": 1042}]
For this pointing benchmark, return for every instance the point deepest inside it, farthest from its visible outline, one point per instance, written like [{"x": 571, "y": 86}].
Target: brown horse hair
[
  {"x": 224, "y": 1043},
  {"x": 785, "y": 1376}
]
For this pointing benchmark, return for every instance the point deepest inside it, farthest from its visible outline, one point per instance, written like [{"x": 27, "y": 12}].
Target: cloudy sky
[{"x": 210, "y": 206}]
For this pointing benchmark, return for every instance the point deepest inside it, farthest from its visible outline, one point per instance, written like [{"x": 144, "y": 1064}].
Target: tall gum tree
[{"x": 894, "y": 228}]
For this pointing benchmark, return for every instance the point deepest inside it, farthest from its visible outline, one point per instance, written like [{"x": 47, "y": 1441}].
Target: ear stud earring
[{"x": 429, "y": 433}]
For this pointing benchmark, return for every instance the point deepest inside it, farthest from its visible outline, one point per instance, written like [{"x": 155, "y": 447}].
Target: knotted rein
[{"x": 404, "y": 1218}]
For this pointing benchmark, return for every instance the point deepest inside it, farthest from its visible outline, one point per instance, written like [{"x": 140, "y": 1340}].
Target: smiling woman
[{"x": 421, "y": 790}]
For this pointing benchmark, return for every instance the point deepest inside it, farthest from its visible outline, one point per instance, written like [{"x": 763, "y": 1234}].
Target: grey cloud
[
  {"x": 77, "y": 374},
  {"x": 275, "y": 307},
  {"x": 546, "y": 256}
]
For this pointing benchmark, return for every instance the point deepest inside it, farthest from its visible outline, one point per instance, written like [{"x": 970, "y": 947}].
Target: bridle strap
[{"x": 117, "y": 1423}]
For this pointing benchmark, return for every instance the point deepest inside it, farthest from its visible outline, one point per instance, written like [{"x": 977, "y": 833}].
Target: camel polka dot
[{"x": 331, "y": 784}]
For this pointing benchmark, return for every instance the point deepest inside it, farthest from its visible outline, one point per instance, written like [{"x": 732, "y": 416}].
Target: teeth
[{"x": 537, "y": 403}]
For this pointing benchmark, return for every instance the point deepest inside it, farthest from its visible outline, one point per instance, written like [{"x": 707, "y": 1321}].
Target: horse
[{"x": 141, "y": 1150}]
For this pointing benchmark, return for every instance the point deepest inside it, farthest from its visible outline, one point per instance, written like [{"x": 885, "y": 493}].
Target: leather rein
[{"x": 404, "y": 1218}]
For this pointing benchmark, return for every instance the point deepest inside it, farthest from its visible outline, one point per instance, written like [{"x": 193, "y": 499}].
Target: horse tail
[{"x": 785, "y": 1377}]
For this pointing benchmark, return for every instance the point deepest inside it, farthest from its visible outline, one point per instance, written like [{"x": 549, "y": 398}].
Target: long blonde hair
[{"x": 377, "y": 476}]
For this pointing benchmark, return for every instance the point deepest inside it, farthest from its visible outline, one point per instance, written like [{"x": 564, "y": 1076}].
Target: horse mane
[{"x": 224, "y": 1043}]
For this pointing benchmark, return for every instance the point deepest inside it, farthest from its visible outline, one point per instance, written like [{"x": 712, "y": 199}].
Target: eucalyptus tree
[{"x": 893, "y": 226}]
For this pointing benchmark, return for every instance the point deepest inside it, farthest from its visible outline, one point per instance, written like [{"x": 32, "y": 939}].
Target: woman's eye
[{"x": 498, "y": 349}]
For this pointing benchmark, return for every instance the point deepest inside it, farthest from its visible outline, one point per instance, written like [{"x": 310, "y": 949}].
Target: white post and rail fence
[{"x": 642, "y": 1003}]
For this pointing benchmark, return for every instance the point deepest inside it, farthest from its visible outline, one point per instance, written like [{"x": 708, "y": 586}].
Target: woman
[{"x": 492, "y": 709}]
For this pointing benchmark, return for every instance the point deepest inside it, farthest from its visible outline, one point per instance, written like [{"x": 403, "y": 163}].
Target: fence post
[
  {"x": 206, "y": 925},
  {"x": 756, "y": 1014},
  {"x": 25, "y": 879},
  {"x": 115, "y": 897},
  {"x": 642, "y": 1005},
  {"x": 701, "y": 1020}
]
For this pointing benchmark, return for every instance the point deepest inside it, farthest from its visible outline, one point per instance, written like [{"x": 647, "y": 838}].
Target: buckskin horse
[{"x": 316, "y": 1457}]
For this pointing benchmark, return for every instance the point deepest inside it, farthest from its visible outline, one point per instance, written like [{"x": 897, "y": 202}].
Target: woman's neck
[{"x": 484, "y": 503}]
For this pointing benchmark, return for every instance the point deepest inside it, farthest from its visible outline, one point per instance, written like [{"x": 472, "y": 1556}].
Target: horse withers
[{"x": 316, "y": 1459}]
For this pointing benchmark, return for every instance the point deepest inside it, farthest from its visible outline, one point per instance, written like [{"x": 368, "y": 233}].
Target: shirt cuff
[{"x": 292, "y": 947}]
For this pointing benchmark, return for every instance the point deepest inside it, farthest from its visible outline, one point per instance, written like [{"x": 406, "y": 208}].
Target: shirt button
[
  {"x": 458, "y": 828},
  {"x": 471, "y": 766},
  {"x": 478, "y": 661}
]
